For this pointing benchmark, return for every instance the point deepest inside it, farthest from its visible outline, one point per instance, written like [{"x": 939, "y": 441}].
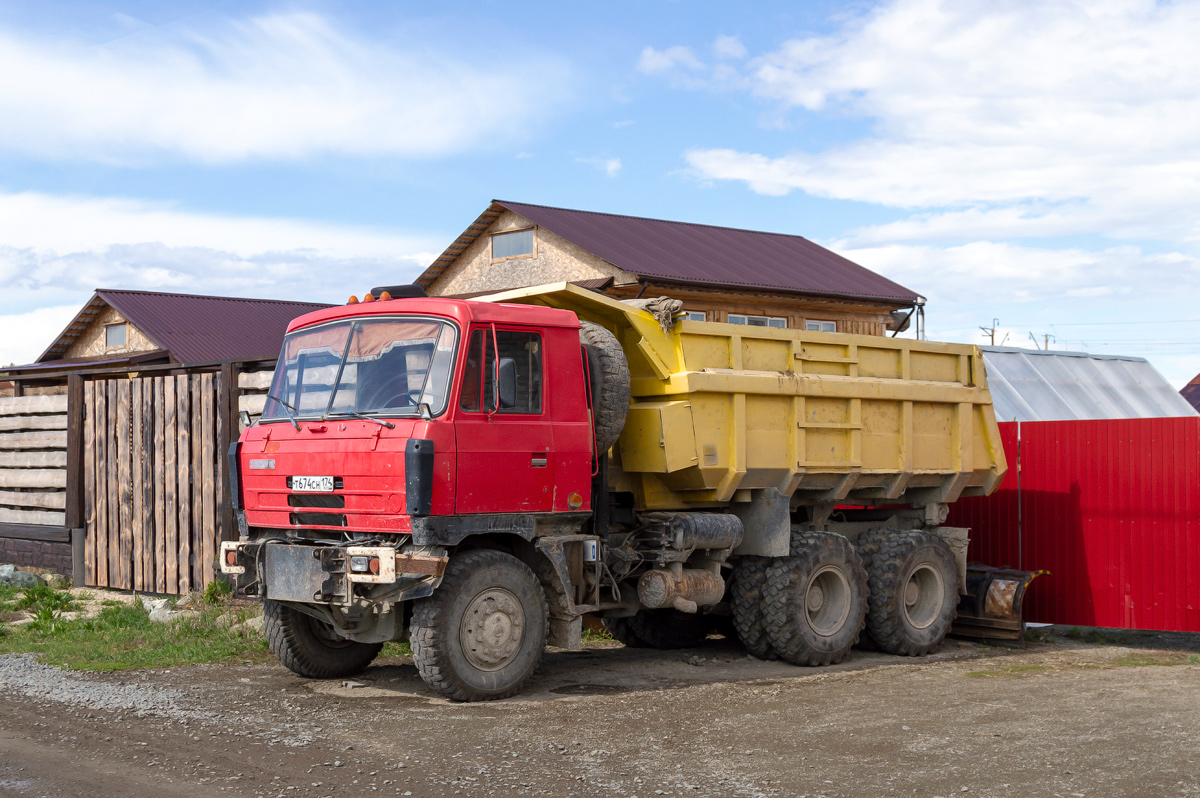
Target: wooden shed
[{"x": 112, "y": 443}]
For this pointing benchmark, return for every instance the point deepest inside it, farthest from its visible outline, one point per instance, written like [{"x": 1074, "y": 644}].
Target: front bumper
[{"x": 329, "y": 574}]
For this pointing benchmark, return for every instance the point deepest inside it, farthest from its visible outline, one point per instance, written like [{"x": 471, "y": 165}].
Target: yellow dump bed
[{"x": 720, "y": 409}]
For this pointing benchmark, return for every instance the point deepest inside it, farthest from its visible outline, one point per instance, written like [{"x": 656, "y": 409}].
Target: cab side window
[{"x": 526, "y": 351}]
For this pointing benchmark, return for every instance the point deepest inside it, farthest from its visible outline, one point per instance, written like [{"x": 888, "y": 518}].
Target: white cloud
[
  {"x": 1057, "y": 117},
  {"x": 56, "y": 250},
  {"x": 729, "y": 47},
  {"x": 983, "y": 272},
  {"x": 281, "y": 86},
  {"x": 611, "y": 167},
  {"x": 24, "y": 336},
  {"x": 672, "y": 58}
]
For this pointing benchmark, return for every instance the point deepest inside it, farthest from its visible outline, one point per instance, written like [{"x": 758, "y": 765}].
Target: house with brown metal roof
[
  {"x": 112, "y": 444},
  {"x": 117, "y": 328},
  {"x": 1191, "y": 392},
  {"x": 720, "y": 273}
]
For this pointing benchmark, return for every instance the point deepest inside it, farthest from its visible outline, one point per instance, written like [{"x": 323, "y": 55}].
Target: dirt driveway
[{"x": 1060, "y": 718}]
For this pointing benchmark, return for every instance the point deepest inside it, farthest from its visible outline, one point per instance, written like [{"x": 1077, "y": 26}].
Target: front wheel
[
  {"x": 310, "y": 647},
  {"x": 481, "y": 635}
]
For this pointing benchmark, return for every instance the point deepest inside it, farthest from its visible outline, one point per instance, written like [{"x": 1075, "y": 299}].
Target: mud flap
[{"x": 992, "y": 606}]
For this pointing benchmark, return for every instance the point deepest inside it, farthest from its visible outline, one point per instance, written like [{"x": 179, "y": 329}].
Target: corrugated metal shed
[
  {"x": 1033, "y": 385},
  {"x": 1111, "y": 508},
  {"x": 681, "y": 252}
]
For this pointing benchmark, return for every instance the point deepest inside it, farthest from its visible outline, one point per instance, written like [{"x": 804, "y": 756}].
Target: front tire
[
  {"x": 481, "y": 635},
  {"x": 816, "y": 600},
  {"x": 914, "y": 592},
  {"x": 310, "y": 647}
]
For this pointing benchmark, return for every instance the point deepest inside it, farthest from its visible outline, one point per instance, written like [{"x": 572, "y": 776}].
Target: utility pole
[{"x": 991, "y": 331}]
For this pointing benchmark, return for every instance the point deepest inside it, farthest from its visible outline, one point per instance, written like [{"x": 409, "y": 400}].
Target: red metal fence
[{"x": 1111, "y": 508}]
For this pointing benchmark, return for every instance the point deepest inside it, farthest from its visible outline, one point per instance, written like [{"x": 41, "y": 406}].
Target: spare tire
[{"x": 610, "y": 382}]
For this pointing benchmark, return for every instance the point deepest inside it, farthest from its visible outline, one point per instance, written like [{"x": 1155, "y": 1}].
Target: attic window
[
  {"x": 517, "y": 244},
  {"x": 821, "y": 326},
  {"x": 116, "y": 336}
]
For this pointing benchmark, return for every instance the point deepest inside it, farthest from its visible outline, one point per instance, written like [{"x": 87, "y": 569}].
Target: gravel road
[{"x": 1055, "y": 719}]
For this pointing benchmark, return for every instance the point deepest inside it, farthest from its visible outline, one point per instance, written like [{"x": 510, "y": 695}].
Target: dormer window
[
  {"x": 515, "y": 244},
  {"x": 116, "y": 336}
]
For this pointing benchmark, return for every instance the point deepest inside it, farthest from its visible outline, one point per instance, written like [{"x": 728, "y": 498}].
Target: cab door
[{"x": 505, "y": 463}]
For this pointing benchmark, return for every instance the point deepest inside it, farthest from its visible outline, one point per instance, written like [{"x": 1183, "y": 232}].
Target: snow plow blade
[{"x": 992, "y": 606}]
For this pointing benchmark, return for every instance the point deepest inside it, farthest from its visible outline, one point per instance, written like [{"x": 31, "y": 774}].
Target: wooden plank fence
[
  {"x": 152, "y": 486},
  {"x": 33, "y": 460}
]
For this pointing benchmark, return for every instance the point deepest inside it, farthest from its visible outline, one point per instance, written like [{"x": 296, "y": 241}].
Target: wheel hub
[
  {"x": 924, "y": 592},
  {"x": 827, "y": 601},
  {"x": 492, "y": 629}
]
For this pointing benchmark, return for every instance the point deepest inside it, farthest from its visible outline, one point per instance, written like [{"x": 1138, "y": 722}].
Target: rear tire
[
  {"x": 611, "y": 404},
  {"x": 621, "y": 631},
  {"x": 481, "y": 635},
  {"x": 914, "y": 592},
  {"x": 746, "y": 604},
  {"x": 309, "y": 647},
  {"x": 670, "y": 628},
  {"x": 816, "y": 600}
]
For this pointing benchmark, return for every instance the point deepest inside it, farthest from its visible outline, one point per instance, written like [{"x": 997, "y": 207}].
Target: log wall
[{"x": 33, "y": 460}]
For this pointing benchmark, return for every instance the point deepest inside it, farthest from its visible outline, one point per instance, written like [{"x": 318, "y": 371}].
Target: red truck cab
[{"x": 364, "y": 389}]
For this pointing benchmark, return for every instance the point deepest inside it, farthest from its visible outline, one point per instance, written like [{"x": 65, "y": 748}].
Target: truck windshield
[{"x": 376, "y": 366}]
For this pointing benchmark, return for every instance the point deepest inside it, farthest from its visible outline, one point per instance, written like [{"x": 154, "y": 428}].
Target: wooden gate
[{"x": 152, "y": 490}]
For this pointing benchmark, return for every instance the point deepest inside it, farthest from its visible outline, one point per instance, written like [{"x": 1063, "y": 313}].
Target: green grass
[
  {"x": 1194, "y": 659},
  {"x": 121, "y": 636},
  {"x": 1012, "y": 670}
]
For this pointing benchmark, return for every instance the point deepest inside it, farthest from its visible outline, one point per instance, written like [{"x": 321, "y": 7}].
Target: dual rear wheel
[{"x": 901, "y": 587}]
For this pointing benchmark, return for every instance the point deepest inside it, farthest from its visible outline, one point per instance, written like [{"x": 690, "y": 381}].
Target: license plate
[{"x": 313, "y": 484}]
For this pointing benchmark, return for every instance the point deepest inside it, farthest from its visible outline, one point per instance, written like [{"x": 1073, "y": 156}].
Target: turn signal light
[
  {"x": 367, "y": 297},
  {"x": 353, "y": 301},
  {"x": 231, "y": 557},
  {"x": 384, "y": 296},
  {"x": 364, "y": 565}
]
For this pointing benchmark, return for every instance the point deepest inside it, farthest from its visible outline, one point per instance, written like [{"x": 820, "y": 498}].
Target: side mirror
[
  {"x": 506, "y": 382},
  {"x": 425, "y": 411},
  {"x": 244, "y": 417}
]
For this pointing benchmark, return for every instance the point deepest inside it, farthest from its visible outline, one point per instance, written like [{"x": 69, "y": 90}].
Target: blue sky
[{"x": 1030, "y": 162}]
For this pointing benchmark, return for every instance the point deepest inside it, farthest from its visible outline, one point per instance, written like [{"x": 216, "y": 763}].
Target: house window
[
  {"x": 695, "y": 315},
  {"x": 116, "y": 336},
  {"x": 821, "y": 326},
  {"x": 758, "y": 321},
  {"x": 517, "y": 244}
]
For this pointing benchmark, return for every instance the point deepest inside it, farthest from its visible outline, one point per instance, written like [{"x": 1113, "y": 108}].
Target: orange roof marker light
[
  {"x": 352, "y": 301},
  {"x": 385, "y": 296},
  {"x": 368, "y": 297}
]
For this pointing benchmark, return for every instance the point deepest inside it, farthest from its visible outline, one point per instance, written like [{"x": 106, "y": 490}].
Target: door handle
[{"x": 538, "y": 460}]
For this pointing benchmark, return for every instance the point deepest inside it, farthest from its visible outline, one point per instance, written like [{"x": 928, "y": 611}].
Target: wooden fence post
[
  {"x": 75, "y": 414},
  {"x": 227, "y": 426}
]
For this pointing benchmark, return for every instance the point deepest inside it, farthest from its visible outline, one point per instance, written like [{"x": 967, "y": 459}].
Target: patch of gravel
[{"x": 23, "y": 674}]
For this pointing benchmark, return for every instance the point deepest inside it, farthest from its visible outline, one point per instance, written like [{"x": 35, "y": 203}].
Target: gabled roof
[
  {"x": 1191, "y": 392},
  {"x": 192, "y": 328},
  {"x": 697, "y": 254}
]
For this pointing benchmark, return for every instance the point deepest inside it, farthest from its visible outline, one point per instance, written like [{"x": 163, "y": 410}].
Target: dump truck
[{"x": 476, "y": 476}]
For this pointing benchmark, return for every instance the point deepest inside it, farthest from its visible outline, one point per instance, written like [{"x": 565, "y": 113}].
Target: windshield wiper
[
  {"x": 290, "y": 410},
  {"x": 365, "y": 417}
]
